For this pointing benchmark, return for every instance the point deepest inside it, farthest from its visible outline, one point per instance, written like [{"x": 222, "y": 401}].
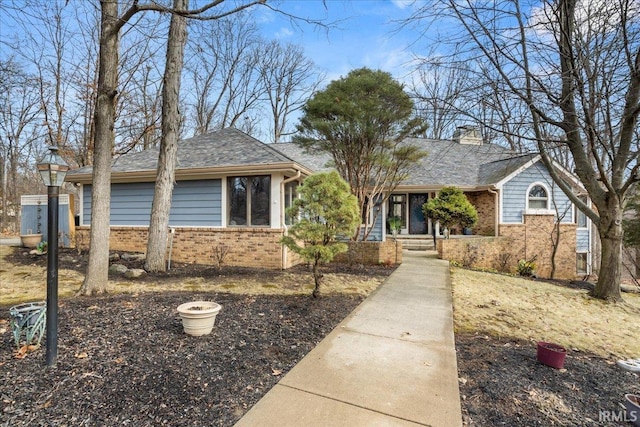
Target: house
[{"x": 232, "y": 190}]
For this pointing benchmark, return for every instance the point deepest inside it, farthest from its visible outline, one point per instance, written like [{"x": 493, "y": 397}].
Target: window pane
[
  {"x": 581, "y": 218},
  {"x": 538, "y": 198},
  {"x": 581, "y": 262},
  {"x": 290, "y": 194},
  {"x": 397, "y": 208},
  {"x": 538, "y": 191},
  {"x": 237, "y": 201},
  {"x": 260, "y": 200},
  {"x": 537, "y": 204}
]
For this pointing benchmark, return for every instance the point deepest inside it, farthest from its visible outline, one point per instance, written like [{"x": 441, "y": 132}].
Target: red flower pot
[{"x": 551, "y": 354}]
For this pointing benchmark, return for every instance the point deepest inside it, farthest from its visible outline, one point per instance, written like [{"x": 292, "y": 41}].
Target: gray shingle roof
[
  {"x": 462, "y": 165},
  {"x": 317, "y": 162},
  {"x": 226, "y": 147},
  {"x": 447, "y": 162}
]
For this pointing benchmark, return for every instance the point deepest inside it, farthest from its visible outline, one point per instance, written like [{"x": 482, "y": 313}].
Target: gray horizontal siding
[
  {"x": 193, "y": 204},
  {"x": 514, "y": 198}
]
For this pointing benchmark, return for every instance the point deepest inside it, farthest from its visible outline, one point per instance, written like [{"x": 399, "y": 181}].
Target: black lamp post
[{"x": 52, "y": 169}]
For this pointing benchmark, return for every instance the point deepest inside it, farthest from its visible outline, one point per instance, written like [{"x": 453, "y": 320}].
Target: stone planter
[
  {"x": 551, "y": 354},
  {"x": 198, "y": 317},
  {"x": 30, "y": 240},
  {"x": 632, "y": 404}
]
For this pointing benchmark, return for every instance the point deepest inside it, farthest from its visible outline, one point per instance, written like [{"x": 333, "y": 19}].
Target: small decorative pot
[
  {"x": 28, "y": 320},
  {"x": 198, "y": 317},
  {"x": 551, "y": 354},
  {"x": 632, "y": 404},
  {"x": 30, "y": 240}
]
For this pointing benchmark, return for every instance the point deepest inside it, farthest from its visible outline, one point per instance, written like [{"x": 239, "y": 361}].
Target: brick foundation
[
  {"x": 247, "y": 247},
  {"x": 516, "y": 242},
  {"x": 373, "y": 253}
]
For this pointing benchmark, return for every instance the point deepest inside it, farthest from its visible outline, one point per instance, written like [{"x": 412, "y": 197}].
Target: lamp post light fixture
[{"x": 52, "y": 169}]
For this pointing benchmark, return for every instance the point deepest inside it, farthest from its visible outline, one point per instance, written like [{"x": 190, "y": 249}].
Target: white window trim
[{"x": 545, "y": 211}]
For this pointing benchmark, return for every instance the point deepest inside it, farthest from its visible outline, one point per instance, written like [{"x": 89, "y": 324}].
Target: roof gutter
[
  {"x": 496, "y": 216},
  {"x": 149, "y": 175}
]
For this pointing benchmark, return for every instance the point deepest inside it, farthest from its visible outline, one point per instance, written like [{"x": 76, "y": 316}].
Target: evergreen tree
[
  {"x": 451, "y": 207},
  {"x": 325, "y": 211}
]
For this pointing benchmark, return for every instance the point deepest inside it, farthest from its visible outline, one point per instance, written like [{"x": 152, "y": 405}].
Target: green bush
[
  {"x": 42, "y": 247},
  {"x": 451, "y": 207},
  {"x": 526, "y": 268}
]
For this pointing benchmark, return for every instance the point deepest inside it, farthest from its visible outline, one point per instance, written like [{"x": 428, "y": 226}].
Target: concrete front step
[{"x": 417, "y": 244}]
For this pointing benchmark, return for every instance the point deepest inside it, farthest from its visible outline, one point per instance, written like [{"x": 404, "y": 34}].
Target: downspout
[
  {"x": 497, "y": 211},
  {"x": 282, "y": 213}
]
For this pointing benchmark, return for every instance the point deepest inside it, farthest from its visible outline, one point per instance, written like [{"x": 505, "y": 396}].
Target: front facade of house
[{"x": 231, "y": 192}]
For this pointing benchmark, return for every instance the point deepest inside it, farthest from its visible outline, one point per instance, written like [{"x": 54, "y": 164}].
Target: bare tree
[
  {"x": 288, "y": 78},
  {"x": 438, "y": 91},
  {"x": 140, "y": 80},
  {"x": 224, "y": 72},
  {"x": 112, "y": 22},
  {"x": 575, "y": 69},
  {"x": 20, "y": 131},
  {"x": 159, "y": 222}
]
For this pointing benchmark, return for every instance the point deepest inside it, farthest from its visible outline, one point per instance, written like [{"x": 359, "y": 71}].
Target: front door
[{"x": 417, "y": 222}]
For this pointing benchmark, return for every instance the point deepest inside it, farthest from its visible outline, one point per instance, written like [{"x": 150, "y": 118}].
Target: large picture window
[{"x": 249, "y": 200}]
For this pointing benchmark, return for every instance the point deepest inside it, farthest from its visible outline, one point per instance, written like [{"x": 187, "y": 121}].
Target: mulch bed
[
  {"x": 502, "y": 384},
  {"x": 124, "y": 360}
]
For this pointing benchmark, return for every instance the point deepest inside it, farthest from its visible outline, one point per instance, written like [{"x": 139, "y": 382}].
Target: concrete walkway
[{"x": 392, "y": 362}]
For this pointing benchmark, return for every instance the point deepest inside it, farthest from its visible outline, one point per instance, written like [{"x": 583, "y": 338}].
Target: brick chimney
[{"x": 467, "y": 134}]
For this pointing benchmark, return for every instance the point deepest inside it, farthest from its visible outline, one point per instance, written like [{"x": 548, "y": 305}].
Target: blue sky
[{"x": 364, "y": 34}]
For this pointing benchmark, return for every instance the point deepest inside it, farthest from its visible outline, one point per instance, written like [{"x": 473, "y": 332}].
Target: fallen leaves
[{"x": 24, "y": 350}]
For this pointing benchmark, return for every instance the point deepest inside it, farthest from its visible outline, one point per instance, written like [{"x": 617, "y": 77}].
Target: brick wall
[
  {"x": 485, "y": 204},
  {"x": 516, "y": 242},
  {"x": 373, "y": 253},
  {"x": 247, "y": 247}
]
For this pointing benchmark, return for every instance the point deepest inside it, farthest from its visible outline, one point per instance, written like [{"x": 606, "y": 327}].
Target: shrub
[
  {"x": 451, "y": 207},
  {"x": 325, "y": 211},
  {"x": 526, "y": 268}
]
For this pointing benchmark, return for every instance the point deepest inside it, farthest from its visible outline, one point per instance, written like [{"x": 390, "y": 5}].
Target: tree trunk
[
  {"x": 159, "y": 222},
  {"x": 317, "y": 276},
  {"x": 96, "y": 280},
  {"x": 610, "y": 230},
  {"x": 637, "y": 263}
]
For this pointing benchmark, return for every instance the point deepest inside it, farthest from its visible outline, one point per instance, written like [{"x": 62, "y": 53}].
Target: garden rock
[
  {"x": 135, "y": 273},
  {"x": 133, "y": 257},
  {"x": 118, "y": 269}
]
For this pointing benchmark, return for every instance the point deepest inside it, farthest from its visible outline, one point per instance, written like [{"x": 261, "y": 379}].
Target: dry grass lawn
[
  {"x": 513, "y": 307},
  {"x": 22, "y": 283}
]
